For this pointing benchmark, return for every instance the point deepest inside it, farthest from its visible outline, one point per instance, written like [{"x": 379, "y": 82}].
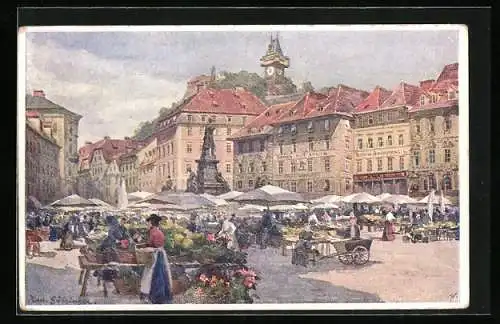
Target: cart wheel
[
  {"x": 361, "y": 255},
  {"x": 346, "y": 259}
]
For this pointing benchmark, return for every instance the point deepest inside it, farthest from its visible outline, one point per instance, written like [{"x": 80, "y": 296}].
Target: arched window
[
  {"x": 426, "y": 185},
  {"x": 432, "y": 182},
  {"x": 389, "y": 140}
]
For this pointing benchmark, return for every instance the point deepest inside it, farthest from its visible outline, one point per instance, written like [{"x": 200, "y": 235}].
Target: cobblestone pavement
[{"x": 282, "y": 283}]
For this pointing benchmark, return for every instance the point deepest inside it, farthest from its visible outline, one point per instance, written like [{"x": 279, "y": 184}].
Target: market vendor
[
  {"x": 354, "y": 231},
  {"x": 228, "y": 231},
  {"x": 156, "y": 282},
  {"x": 388, "y": 233},
  {"x": 115, "y": 234}
]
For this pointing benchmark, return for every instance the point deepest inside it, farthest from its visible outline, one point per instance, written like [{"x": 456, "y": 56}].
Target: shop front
[{"x": 384, "y": 182}]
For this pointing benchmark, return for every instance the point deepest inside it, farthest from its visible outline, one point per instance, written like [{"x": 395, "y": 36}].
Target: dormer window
[
  {"x": 190, "y": 118},
  {"x": 293, "y": 129},
  {"x": 422, "y": 100},
  {"x": 434, "y": 98},
  {"x": 267, "y": 113}
]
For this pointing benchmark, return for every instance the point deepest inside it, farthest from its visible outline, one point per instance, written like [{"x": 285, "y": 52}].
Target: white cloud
[{"x": 111, "y": 95}]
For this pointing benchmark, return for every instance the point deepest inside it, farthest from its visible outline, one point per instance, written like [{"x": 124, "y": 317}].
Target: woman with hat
[{"x": 156, "y": 283}]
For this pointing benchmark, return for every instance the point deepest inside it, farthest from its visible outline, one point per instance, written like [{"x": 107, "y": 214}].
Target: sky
[{"x": 117, "y": 79}]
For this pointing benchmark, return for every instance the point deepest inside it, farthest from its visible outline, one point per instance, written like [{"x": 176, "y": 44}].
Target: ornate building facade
[
  {"x": 129, "y": 166},
  {"x": 307, "y": 143},
  {"x": 99, "y": 168},
  {"x": 434, "y": 129},
  {"x": 180, "y": 133},
  {"x": 147, "y": 157},
  {"x": 63, "y": 127},
  {"x": 42, "y": 175},
  {"x": 382, "y": 140}
]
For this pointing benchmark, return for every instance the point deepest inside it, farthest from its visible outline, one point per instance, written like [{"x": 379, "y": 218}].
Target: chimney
[
  {"x": 426, "y": 84},
  {"x": 107, "y": 137},
  {"x": 88, "y": 143},
  {"x": 127, "y": 138},
  {"x": 38, "y": 93}
]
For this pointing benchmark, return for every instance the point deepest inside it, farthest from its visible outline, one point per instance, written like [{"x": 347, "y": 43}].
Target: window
[
  {"x": 422, "y": 100},
  {"x": 447, "y": 123},
  {"x": 347, "y": 185},
  {"x": 432, "y": 182},
  {"x": 294, "y": 146},
  {"x": 389, "y": 163},
  {"x": 327, "y": 165},
  {"x": 229, "y": 147},
  {"x": 400, "y": 140},
  {"x": 229, "y": 119},
  {"x": 281, "y": 147},
  {"x": 188, "y": 168},
  {"x": 432, "y": 156},
  {"x": 431, "y": 125},
  {"x": 359, "y": 166},
  {"x": 347, "y": 143},
  {"x": 452, "y": 95},
  {"x": 262, "y": 145},
  {"x": 264, "y": 167},
  {"x": 370, "y": 121},
  {"x": 189, "y": 148},
  {"x": 309, "y": 186},
  {"x": 401, "y": 163},
  {"x": 251, "y": 167},
  {"x": 228, "y": 131},
  {"x": 389, "y": 140},
  {"x": 190, "y": 131},
  {"x": 416, "y": 158},
  {"x": 302, "y": 166},
  {"x": 346, "y": 165},
  {"x": 309, "y": 165},
  {"x": 379, "y": 164},
  {"x": 293, "y": 186},
  {"x": 417, "y": 129},
  {"x": 293, "y": 167},
  {"x": 239, "y": 184},
  {"x": 327, "y": 124},
  {"x": 447, "y": 155},
  {"x": 310, "y": 127},
  {"x": 293, "y": 129},
  {"x": 370, "y": 143},
  {"x": 327, "y": 142},
  {"x": 240, "y": 168},
  {"x": 250, "y": 184},
  {"x": 228, "y": 167},
  {"x": 202, "y": 130},
  {"x": 203, "y": 118},
  {"x": 369, "y": 165},
  {"x": 380, "y": 142},
  {"x": 360, "y": 143},
  {"x": 280, "y": 167},
  {"x": 434, "y": 98},
  {"x": 311, "y": 143},
  {"x": 327, "y": 185},
  {"x": 447, "y": 183}
]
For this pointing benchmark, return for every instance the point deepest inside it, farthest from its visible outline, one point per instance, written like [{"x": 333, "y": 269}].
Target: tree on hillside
[
  {"x": 250, "y": 81},
  {"x": 144, "y": 130}
]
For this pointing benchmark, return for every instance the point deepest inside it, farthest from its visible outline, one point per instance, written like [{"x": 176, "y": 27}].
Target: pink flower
[
  {"x": 211, "y": 237},
  {"x": 199, "y": 292},
  {"x": 249, "y": 282},
  {"x": 203, "y": 278}
]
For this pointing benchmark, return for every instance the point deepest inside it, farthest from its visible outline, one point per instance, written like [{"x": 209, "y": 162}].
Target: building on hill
[
  {"x": 180, "y": 132},
  {"x": 99, "y": 169},
  {"x": 274, "y": 63},
  {"x": 308, "y": 141},
  {"x": 62, "y": 125},
  {"x": 434, "y": 129},
  {"x": 42, "y": 175},
  {"x": 382, "y": 140}
]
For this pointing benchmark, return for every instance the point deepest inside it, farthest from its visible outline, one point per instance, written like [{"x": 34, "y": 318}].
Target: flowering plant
[{"x": 225, "y": 290}]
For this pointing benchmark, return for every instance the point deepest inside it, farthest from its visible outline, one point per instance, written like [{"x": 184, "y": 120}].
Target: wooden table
[{"x": 87, "y": 267}]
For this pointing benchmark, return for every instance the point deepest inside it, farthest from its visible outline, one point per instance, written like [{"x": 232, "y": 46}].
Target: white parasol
[
  {"x": 430, "y": 206},
  {"x": 441, "y": 202}
]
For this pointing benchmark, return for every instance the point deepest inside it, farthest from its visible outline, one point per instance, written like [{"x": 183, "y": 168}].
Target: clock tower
[{"x": 274, "y": 63}]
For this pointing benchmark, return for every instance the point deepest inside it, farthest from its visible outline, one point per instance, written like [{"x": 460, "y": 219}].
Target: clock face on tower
[{"x": 270, "y": 70}]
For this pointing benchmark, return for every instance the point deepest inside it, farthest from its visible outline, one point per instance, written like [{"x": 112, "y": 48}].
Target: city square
[{"x": 243, "y": 181}]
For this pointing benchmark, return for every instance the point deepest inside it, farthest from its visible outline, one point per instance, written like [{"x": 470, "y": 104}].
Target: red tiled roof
[
  {"x": 303, "y": 108},
  {"x": 449, "y": 72},
  {"x": 271, "y": 114},
  {"x": 404, "y": 94},
  {"x": 221, "y": 101},
  {"x": 111, "y": 149},
  {"x": 344, "y": 100},
  {"x": 374, "y": 100}
]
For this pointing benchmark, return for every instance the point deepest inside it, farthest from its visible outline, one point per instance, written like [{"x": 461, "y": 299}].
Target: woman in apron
[
  {"x": 228, "y": 231},
  {"x": 156, "y": 283}
]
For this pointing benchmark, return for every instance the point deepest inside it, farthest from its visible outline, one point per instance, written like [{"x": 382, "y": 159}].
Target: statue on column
[{"x": 208, "y": 148}]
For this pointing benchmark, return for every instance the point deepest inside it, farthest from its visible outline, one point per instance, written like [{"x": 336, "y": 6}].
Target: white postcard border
[{"x": 464, "y": 281}]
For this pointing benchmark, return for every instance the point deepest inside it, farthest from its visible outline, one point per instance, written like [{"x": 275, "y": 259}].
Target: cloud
[{"x": 111, "y": 95}]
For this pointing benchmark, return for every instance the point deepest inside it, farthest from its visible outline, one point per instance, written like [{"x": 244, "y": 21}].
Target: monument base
[{"x": 210, "y": 180}]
